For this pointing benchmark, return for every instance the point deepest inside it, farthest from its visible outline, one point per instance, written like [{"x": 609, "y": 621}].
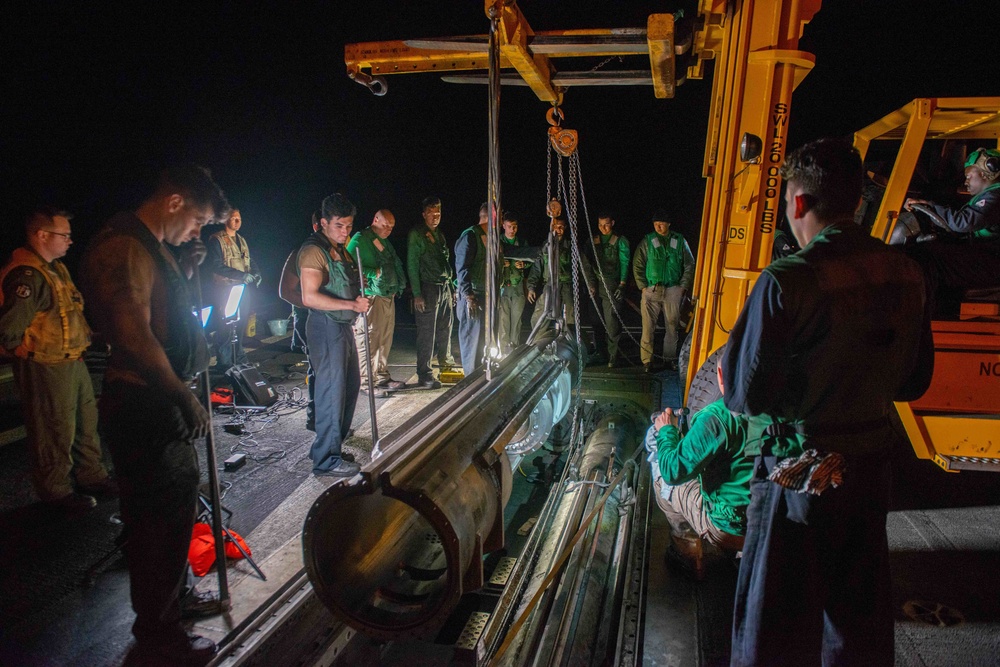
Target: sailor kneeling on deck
[{"x": 702, "y": 481}]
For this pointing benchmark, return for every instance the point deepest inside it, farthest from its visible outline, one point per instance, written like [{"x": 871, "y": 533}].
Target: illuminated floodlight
[
  {"x": 232, "y": 311},
  {"x": 206, "y": 315}
]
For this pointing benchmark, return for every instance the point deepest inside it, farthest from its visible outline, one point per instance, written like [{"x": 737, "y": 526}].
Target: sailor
[
  {"x": 430, "y": 274},
  {"x": 330, "y": 290},
  {"x": 972, "y": 262},
  {"x": 663, "y": 268},
  {"x": 828, "y": 338},
  {"x": 611, "y": 253},
  {"x": 229, "y": 263},
  {"x": 702, "y": 481},
  {"x": 43, "y": 326},
  {"x": 510, "y": 305},
  {"x": 538, "y": 275},
  {"x": 143, "y": 303},
  {"x": 470, "y": 269},
  {"x": 385, "y": 280}
]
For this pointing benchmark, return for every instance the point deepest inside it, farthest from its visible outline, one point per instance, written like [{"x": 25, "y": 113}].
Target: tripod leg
[
  {"x": 245, "y": 554},
  {"x": 90, "y": 576},
  {"x": 228, "y": 536}
]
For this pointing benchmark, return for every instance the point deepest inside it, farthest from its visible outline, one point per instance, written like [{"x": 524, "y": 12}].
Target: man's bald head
[{"x": 383, "y": 223}]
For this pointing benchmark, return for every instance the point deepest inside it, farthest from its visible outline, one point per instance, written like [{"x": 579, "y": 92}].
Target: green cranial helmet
[{"x": 987, "y": 160}]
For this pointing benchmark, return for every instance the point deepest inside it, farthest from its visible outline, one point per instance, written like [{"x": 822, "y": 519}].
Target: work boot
[
  {"x": 192, "y": 651},
  {"x": 343, "y": 469},
  {"x": 390, "y": 384},
  {"x": 429, "y": 383}
]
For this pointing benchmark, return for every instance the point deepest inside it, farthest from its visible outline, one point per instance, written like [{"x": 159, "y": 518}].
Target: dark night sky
[{"x": 97, "y": 94}]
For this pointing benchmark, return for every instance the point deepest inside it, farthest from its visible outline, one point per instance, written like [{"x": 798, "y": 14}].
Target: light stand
[
  {"x": 211, "y": 460},
  {"x": 231, "y": 315}
]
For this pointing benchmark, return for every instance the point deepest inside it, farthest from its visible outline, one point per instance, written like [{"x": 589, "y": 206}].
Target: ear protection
[{"x": 987, "y": 160}]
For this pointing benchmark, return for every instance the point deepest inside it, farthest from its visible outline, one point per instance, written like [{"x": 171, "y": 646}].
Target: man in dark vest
[
  {"x": 229, "y": 264},
  {"x": 143, "y": 302},
  {"x": 827, "y": 340},
  {"x": 331, "y": 291},
  {"x": 663, "y": 268},
  {"x": 42, "y": 325}
]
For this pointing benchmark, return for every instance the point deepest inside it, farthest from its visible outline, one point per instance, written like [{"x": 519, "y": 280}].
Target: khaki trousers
[
  {"x": 686, "y": 511},
  {"x": 381, "y": 322},
  {"x": 656, "y": 300},
  {"x": 60, "y": 415}
]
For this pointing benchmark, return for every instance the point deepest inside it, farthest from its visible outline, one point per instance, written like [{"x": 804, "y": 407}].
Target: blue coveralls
[{"x": 828, "y": 339}]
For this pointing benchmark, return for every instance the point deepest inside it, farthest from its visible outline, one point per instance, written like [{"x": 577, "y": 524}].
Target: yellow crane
[{"x": 758, "y": 65}]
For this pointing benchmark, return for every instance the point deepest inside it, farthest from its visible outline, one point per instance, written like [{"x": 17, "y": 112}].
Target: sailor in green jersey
[
  {"x": 510, "y": 305},
  {"x": 384, "y": 281},
  {"x": 702, "y": 480},
  {"x": 611, "y": 253},
  {"x": 663, "y": 268}
]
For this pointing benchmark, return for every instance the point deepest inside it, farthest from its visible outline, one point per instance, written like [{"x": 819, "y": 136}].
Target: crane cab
[{"x": 956, "y": 423}]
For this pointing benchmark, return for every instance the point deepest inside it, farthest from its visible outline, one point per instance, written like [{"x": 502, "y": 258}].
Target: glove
[
  {"x": 619, "y": 293},
  {"x": 248, "y": 278}
]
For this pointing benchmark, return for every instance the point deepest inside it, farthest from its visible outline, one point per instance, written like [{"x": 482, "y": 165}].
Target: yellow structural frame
[
  {"x": 408, "y": 57},
  {"x": 757, "y": 67}
]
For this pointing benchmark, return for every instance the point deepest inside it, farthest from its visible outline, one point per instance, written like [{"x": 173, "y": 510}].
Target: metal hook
[
  {"x": 376, "y": 84},
  {"x": 554, "y": 116}
]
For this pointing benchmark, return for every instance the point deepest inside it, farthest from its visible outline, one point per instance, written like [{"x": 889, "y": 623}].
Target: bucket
[{"x": 278, "y": 327}]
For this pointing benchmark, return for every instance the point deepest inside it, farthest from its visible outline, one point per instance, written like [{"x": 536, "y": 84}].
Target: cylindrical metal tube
[{"x": 392, "y": 551}]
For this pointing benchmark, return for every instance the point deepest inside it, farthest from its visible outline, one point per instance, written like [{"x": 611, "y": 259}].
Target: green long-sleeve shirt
[
  {"x": 383, "y": 270},
  {"x": 712, "y": 451},
  {"x": 427, "y": 258}
]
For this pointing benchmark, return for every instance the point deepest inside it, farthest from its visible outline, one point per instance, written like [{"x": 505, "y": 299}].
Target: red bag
[
  {"x": 222, "y": 396},
  {"x": 201, "y": 553}
]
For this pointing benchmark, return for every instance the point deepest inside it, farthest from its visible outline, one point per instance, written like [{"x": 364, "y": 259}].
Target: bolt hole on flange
[{"x": 933, "y": 613}]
